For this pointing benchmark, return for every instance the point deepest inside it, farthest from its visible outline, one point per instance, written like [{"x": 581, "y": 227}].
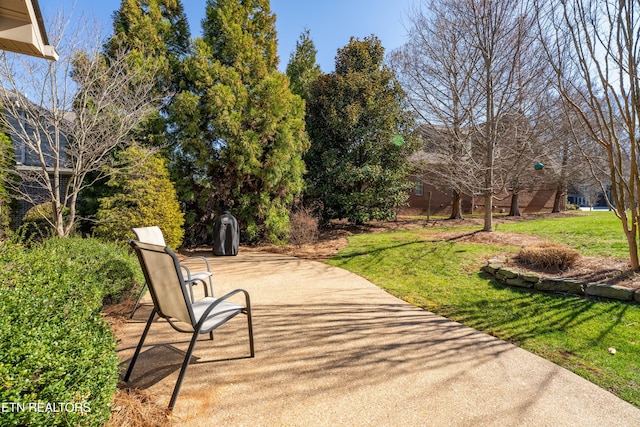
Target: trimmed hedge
[{"x": 58, "y": 364}]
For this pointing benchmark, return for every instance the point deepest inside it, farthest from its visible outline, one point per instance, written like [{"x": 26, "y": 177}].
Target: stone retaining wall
[{"x": 510, "y": 277}]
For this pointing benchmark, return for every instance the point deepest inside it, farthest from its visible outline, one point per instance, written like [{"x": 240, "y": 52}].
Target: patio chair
[
  {"x": 154, "y": 236},
  {"x": 171, "y": 301}
]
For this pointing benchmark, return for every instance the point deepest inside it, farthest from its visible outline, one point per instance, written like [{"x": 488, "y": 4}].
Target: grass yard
[
  {"x": 596, "y": 233},
  {"x": 444, "y": 277}
]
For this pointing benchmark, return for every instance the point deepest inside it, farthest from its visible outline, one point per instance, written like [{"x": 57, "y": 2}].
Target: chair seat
[
  {"x": 153, "y": 235},
  {"x": 220, "y": 314}
]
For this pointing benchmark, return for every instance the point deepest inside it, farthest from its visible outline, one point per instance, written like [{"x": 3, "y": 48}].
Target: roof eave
[{"x": 22, "y": 29}]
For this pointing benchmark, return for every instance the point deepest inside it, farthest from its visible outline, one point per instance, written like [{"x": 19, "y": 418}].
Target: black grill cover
[{"x": 226, "y": 235}]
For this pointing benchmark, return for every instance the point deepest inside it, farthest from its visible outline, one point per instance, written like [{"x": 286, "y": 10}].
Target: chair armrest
[
  {"x": 186, "y": 269},
  {"x": 202, "y": 258},
  {"x": 189, "y": 281}
]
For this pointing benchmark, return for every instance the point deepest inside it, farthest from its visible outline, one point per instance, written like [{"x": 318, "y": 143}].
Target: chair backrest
[
  {"x": 151, "y": 235},
  {"x": 162, "y": 272}
]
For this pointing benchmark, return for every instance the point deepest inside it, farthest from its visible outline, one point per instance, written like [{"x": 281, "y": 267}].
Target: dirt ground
[{"x": 590, "y": 269}]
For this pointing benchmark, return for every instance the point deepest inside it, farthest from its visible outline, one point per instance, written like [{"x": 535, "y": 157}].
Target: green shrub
[
  {"x": 35, "y": 227},
  {"x": 7, "y": 162},
  {"x": 144, "y": 196},
  {"x": 55, "y": 347}
]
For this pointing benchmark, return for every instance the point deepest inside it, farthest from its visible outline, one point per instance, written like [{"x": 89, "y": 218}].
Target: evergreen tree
[
  {"x": 302, "y": 68},
  {"x": 156, "y": 34},
  {"x": 241, "y": 129},
  {"x": 360, "y": 137},
  {"x": 143, "y": 195}
]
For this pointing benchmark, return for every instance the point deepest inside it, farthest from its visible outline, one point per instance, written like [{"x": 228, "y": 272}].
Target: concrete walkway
[{"x": 332, "y": 349}]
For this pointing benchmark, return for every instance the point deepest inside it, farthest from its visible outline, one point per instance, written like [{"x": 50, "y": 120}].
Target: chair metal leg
[
  {"x": 210, "y": 286},
  {"x": 135, "y": 307},
  {"x": 142, "y": 338},
  {"x": 192, "y": 346},
  {"x": 183, "y": 370},
  {"x": 250, "y": 325}
]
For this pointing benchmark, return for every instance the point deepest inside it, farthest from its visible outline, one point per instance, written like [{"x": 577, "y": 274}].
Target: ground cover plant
[
  {"x": 439, "y": 270},
  {"x": 56, "y": 349}
]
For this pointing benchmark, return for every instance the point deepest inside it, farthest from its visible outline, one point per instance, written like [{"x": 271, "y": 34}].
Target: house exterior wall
[
  {"x": 24, "y": 156},
  {"x": 27, "y": 161},
  {"x": 433, "y": 201},
  {"x": 22, "y": 207},
  {"x": 430, "y": 201}
]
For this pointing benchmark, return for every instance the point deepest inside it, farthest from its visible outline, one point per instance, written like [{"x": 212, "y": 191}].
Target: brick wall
[{"x": 434, "y": 202}]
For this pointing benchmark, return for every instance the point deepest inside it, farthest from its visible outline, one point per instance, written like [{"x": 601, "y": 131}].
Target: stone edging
[{"x": 509, "y": 277}]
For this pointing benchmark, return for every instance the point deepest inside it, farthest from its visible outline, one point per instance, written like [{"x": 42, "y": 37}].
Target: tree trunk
[
  {"x": 456, "y": 205},
  {"x": 488, "y": 182},
  {"x": 488, "y": 214},
  {"x": 630, "y": 231},
  {"x": 488, "y": 192},
  {"x": 514, "y": 210},
  {"x": 558, "y": 198},
  {"x": 489, "y": 136},
  {"x": 561, "y": 187},
  {"x": 633, "y": 251}
]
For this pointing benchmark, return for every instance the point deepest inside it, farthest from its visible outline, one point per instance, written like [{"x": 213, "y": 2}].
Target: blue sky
[{"x": 331, "y": 22}]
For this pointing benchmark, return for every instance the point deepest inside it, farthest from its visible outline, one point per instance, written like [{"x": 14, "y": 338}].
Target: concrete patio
[{"x": 333, "y": 349}]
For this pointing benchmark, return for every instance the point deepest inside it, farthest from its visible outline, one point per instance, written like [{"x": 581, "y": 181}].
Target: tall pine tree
[
  {"x": 241, "y": 129},
  {"x": 153, "y": 34},
  {"x": 302, "y": 68},
  {"x": 156, "y": 34}
]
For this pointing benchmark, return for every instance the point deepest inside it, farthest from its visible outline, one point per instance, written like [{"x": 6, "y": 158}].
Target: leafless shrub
[
  {"x": 303, "y": 227},
  {"x": 549, "y": 255}
]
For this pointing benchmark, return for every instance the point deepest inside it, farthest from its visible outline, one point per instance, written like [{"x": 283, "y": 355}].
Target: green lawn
[
  {"x": 444, "y": 277},
  {"x": 597, "y": 233}
]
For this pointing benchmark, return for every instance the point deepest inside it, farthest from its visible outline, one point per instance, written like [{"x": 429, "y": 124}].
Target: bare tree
[
  {"x": 557, "y": 150},
  {"x": 507, "y": 77},
  {"x": 435, "y": 68},
  {"x": 570, "y": 155},
  {"x": 67, "y": 116},
  {"x": 594, "y": 47},
  {"x": 469, "y": 64},
  {"x": 517, "y": 146}
]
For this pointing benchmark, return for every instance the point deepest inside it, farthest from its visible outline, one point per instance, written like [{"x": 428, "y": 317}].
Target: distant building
[
  {"x": 537, "y": 194},
  {"x": 588, "y": 196},
  {"x": 27, "y": 161},
  {"x": 425, "y": 198}
]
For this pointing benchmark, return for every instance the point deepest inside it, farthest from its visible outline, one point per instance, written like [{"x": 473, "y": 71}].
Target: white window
[{"x": 419, "y": 186}]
